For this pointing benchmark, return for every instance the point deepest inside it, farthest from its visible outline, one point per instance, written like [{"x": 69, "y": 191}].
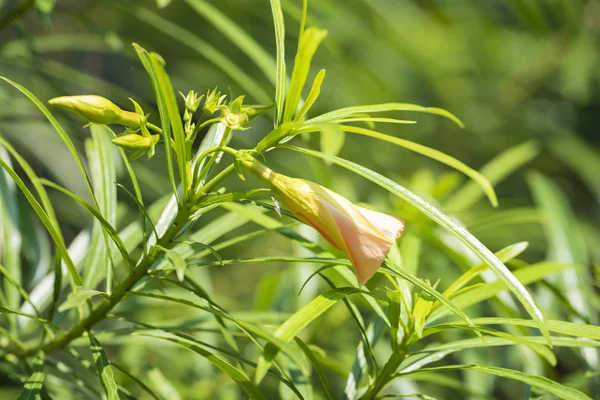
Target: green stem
[
  {"x": 120, "y": 291},
  {"x": 386, "y": 374}
]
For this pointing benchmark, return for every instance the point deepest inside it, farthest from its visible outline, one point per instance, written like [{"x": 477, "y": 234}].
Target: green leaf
[
  {"x": 103, "y": 369},
  {"x": 177, "y": 260},
  {"x": 312, "y": 97},
  {"x": 59, "y": 129},
  {"x": 284, "y": 346},
  {"x": 349, "y": 112},
  {"x": 237, "y": 375},
  {"x": 164, "y": 113},
  {"x": 45, "y": 7},
  {"x": 78, "y": 297},
  {"x": 102, "y": 165},
  {"x": 202, "y": 48},
  {"x": 138, "y": 381},
  {"x": 11, "y": 238},
  {"x": 563, "y": 392},
  {"x": 108, "y": 228},
  {"x": 525, "y": 276},
  {"x": 437, "y": 155},
  {"x": 48, "y": 224},
  {"x": 35, "y": 383},
  {"x": 240, "y": 38},
  {"x": 456, "y": 230},
  {"x": 505, "y": 255},
  {"x": 317, "y": 366},
  {"x": 307, "y": 46},
  {"x": 280, "y": 81},
  {"x": 166, "y": 95},
  {"x": 495, "y": 171},
  {"x": 298, "y": 321},
  {"x": 332, "y": 139},
  {"x": 565, "y": 240}
]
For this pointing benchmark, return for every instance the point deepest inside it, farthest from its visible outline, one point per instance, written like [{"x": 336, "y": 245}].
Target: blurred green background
[{"x": 518, "y": 72}]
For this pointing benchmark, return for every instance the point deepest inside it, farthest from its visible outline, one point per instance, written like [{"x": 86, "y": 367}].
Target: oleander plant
[{"x": 219, "y": 242}]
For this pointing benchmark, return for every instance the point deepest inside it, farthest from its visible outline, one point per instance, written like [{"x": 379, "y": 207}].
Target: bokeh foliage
[{"x": 523, "y": 75}]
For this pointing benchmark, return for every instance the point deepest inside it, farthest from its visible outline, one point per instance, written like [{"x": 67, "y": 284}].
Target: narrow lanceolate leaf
[
  {"x": 332, "y": 139},
  {"x": 177, "y": 260},
  {"x": 63, "y": 135},
  {"x": 236, "y": 374},
  {"x": 349, "y": 112},
  {"x": 48, "y": 224},
  {"x": 317, "y": 365},
  {"x": 437, "y": 155},
  {"x": 550, "y": 386},
  {"x": 307, "y": 46},
  {"x": 108, "y": 228},
  {"x": 167, "y": 96},
  {"x": 238, "y": 36},
  {"x": 78, "y": 297},
  {"x": 35, "y": 383},
  {"x": 565, "y": 241},
  {"x": 280, "y": 82},
  {"x": 312, "y": 97},
  {"x": 455, "y": 229},
  {"x": 301, "y": 318},
  {"x": 10, "y": 234},
  {"x": 103, "y": 369},
  {"x": 164, "y": 113},
  {"x": 495, "y": 171},
  {"x": 102, "y": 165}
]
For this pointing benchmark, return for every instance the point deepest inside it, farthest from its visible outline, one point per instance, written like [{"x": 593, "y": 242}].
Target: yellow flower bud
[
  {"x": 365, "y": 236},
  {"x": 98, "y": 110}
]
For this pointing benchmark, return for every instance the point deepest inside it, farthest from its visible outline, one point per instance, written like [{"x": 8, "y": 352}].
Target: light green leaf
[
  {"x": 103, "y": 369},
  {"x": 307, "y": 46},
  {"x": 350, "y": 112},
  {"x": 63, "y": 135},
  {"x": 332, "y": 139},
  {"x": 495, "y": 171},
  {"x": 10, "y": 236},
  {"x": 177, "y": 260},
  {"x": 48, "y": 224},
  {"x": 280, "y": 81},
  {"x": 456, "y": 230},
  {"x": 240, "y": 38},
  {"x": 298, "y": 321},
  {"x": 164, "y": 113},
  {"x": 102, "y": 166},
  {"x": 45, "y": 7},
  {"x": 78, "y": 297},
  {"x": 202, "y": 48},
  {"x": 506, "y": 254},
  {"x": 237, "y": 375},
  {"x": 35, "y": 383},
  {"x": 108, "y": 228},
  {"x": 437, "y": 155},
  {"x": 312, "y": 97},
  {"x": 563, "y": 392},
  {"x": 565, "y": 240},
  {"x": 525, "y": 276},
  {"x": 317, "y": 366}
]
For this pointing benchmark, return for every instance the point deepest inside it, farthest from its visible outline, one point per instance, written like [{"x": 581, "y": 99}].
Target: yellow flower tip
[{"x": 366, "y": 236}]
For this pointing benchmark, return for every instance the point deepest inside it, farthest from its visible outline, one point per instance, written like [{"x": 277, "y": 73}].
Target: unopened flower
[
  {"x": 234, "y": 115},
  {"x": 213, "y": 101},
  {"x": 139, "y": 144},
  {"x": 366, "y": 236},
  {"x": 98, "y": 110}
]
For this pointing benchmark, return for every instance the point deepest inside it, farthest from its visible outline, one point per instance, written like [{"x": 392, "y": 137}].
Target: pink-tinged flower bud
[
  {"x": 366, "y": 236},
  {"x": 98, "y": 110}
]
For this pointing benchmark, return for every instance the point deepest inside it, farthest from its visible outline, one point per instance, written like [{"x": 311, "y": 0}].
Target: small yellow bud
[
  {"x": 135, "y": 142},
  {"x": 98, "y": 110}
]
